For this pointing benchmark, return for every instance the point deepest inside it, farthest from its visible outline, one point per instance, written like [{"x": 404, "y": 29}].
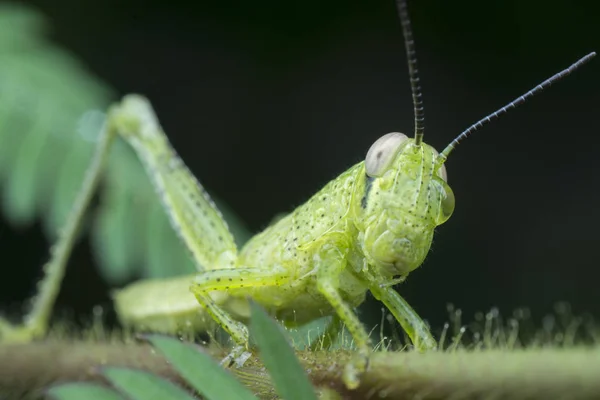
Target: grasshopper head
[{"x": 406, "y": 197}]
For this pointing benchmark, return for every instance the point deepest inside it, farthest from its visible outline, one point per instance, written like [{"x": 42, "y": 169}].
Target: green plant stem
[{"x": 569, "y": 373}]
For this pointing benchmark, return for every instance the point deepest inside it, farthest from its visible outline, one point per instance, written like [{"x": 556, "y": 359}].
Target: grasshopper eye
[{"x": 382, "y": 152}]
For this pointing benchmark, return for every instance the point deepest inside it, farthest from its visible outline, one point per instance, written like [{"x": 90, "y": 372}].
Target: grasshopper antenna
[
  {"x": 413, "y": 71},
  {"x": 513, "y": 104}
]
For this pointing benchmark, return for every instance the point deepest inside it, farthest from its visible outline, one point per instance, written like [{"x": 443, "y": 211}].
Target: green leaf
[
  {"x": 70, "y": 174},
  {"x": 200, "y": 370},
  {"x": 81, "y": 390},
  {"x": 160, "y": 236},
  {"x": 140, "y": 385},
  {"x": 25, "y": 24},
  {"x": 51, "y": 111},
  {"x": 22, "y": 188},
  {"x": 289, "y": 378},
  {"x": 114, "y": 231}
]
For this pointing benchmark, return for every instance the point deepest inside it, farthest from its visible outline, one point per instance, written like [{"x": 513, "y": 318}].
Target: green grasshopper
[{"x": 364, "y": 231}]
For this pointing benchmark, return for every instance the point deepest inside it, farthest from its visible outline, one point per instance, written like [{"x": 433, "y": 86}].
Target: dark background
[{"x": 267, "y": 101}]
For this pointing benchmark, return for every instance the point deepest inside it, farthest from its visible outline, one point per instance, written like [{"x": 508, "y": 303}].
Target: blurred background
[{"x": 266, "y": 101}]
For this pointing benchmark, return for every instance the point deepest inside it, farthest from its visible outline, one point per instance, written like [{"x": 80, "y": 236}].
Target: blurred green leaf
[
  {"x": 200, "y": 370},
  {"x": 81, "y": 390},
  {"x": 51, "y": 111},
  {"x": 289, "y": 378},
  {"x": 140, "y": 385}
]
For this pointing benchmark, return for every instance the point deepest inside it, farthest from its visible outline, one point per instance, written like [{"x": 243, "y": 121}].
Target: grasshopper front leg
[
  {"x": 331, "y": 262},
  {"x": 231, "y": 279},
  {"x": 413, "y": 325}
]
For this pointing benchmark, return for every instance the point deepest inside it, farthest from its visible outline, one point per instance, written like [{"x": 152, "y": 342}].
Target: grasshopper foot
[
  {"x": 426, "y": 344},
  {"x": 10, "y": 333},
  {"x": 237, "y": 357},
  {"x": 354, "y": 370}
]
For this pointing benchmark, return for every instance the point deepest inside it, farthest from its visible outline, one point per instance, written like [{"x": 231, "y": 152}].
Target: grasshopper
[{"x": 364, "y": 231}]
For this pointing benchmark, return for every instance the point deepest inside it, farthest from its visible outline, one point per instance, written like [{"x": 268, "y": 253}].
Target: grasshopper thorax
[{"x": 406, "y": 197}]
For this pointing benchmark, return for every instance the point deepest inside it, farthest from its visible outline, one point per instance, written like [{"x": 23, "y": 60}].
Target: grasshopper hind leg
[{"x": 36, "y": 322}]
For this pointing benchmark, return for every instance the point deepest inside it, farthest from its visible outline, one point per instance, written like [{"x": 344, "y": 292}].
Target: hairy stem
[{"x": 569, "y": 373}]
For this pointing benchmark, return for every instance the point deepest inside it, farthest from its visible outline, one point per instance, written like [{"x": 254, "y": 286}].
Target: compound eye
[
  {"x": 447, "y": 204},
  {"x": 382, "y": 152}
]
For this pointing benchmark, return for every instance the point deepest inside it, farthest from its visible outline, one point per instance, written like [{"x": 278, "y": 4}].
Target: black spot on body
[{"x": 368, "y": 186}]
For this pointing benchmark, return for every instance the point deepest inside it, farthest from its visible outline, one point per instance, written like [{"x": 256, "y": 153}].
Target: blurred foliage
[{"x": 51, "y": 110}]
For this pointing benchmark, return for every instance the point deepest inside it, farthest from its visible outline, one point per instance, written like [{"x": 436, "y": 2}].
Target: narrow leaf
[
  {"x": 81, "y": 390},
  {"x": 200, "y": 370},
  {"x": 141, "y": 385},
  {"x": 289, "y": 378}
]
